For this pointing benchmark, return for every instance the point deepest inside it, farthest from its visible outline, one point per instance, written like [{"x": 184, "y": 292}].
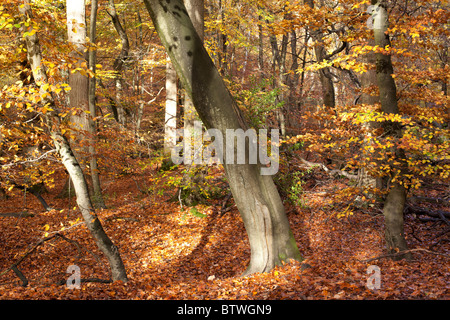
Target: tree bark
[
  {"x": 368, "y": 79},
  {"x": 260, "y": 48},
  {"x": 395, "y": 201},
  {"x": 78, "y": 82},
  {"x": 170, "y": 125},
  {"x": 256, "y": 196},
  {"x": 279, "y": 59},
  {"x": 68, "y": 159},
  {"x": 140, "y": 75},
  {"x": 325, "y": 76},
  {"x": 195, "y": 10},
  {"x": 119, "y": 61}
]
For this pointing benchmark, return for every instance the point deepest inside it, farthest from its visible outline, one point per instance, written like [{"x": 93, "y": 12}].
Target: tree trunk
[
  {"x": 98, "y": 197},
  {"x": 140, "y": 75},
  {"x": 195, "y": 10},
  {"x": 325, "y": 76},
  {"x": 192, "y": 144},
  {"x": 368, "y": 79},
  {"x": 328, "y": 95},
  {"x": 222, "y": 43},
  {"x": 292, "y": 80},
  {"x": 92, "y": 222},
  {"x": 260, "y": 48},
  {"x": 78, "y": 82},
  {"x": 170, "y": 125},
  {"x": 119, "y": 61},
  {"x": 68, "y": 159},
  {"x": 256, "y": 196},
  {"x": 393, "y": 219},
  {"x": 395, "y": 201}
]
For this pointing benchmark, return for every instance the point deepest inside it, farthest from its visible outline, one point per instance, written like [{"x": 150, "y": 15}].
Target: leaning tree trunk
[
  {"x": 68, "y": 159},
  {"x": 395, "y": 201},
  {"x": 260, "y": 205}
]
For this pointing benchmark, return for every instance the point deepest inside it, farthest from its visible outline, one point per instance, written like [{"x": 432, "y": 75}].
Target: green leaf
[{"x": 197, "y": 213}]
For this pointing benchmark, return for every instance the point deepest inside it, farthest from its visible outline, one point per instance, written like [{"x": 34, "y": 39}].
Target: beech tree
[
  {"x": 119, "y": 61},
  {"x": 396, "y": 198},
  {"x": 325, "y": 75},
  {"x": 170, "y": 124},
  {"x": 97, "y": 191},
  {"x": 78, "y": 80},
  {"x": 259, "y": 203},
  {"x": 65, "y": 151}
]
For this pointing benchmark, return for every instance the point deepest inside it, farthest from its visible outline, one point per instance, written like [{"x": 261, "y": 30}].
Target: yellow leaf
[
  {"x": 46, "y": 227},
  {"x": 46, "y": 234}
]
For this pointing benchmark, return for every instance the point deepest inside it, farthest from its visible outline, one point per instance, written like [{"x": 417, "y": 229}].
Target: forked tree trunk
[
  {"x": 68, "y": 159},
  {"x": 256, "y": 196},
  {"x": 395, "y": 201}
]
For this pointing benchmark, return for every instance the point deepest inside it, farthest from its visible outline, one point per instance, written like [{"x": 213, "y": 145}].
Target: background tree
[
  {"x": 119, "y": 62},
  {"x": 396, "y": 198},
  {"x": 97, "y": 191},
  {"x": 259, "y": 203}
]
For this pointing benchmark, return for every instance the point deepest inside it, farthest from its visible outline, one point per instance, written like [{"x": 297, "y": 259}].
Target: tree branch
[
  {"x": 330, "y": 172},
  {"x": 42, "y": 156},
  {"x": 391, "y": 255}
]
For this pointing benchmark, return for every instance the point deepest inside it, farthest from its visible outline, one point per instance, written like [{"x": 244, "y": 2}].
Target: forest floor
[{"x": 170, "y": 253}]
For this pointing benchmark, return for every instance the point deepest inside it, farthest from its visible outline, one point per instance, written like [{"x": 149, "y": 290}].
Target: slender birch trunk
[{"x": 68, "y": 159}]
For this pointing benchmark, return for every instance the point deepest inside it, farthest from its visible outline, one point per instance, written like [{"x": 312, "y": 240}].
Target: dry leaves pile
[{"x": 173, "y": 254}]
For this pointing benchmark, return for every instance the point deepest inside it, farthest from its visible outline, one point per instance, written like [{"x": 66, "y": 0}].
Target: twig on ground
[
  {"x": 14, "y": 266},
  {"x": 391, "y": 255}
]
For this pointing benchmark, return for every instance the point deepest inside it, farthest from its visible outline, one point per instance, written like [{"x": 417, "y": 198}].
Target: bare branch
[{"x": 42, "y": 156}]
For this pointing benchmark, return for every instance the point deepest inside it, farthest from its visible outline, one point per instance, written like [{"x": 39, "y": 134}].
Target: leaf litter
[{"x": 170, "y": 253}]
